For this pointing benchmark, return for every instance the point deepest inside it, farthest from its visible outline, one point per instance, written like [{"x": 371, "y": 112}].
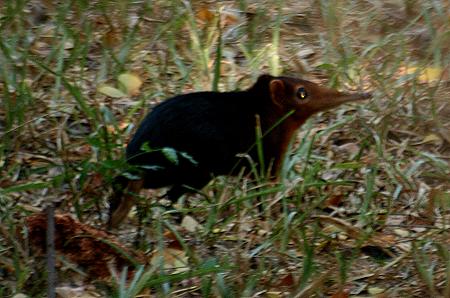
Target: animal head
[{"x": 305, "y": 98}]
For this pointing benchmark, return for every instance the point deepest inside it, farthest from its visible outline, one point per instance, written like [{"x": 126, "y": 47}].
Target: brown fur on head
[
  {"x": 307, "y": 98},
  {"x": 295, "y": 97}
]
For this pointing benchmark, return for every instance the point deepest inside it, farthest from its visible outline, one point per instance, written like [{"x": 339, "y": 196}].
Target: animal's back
[{"x": 210, "y": 127}]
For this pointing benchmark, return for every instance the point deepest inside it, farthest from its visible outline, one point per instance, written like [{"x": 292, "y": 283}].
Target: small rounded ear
[{"x": 277, "y": 92}]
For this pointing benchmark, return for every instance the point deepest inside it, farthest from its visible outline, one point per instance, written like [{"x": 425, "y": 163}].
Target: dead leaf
[
  {"x": 130, "y": 82},
  {"x": 89, "y": 247},
  {"x": 227, "y": 17},
  {"x": 286, "y": 281},
  {"x": 171, "y": 259},
  {"x": 375, "y": 290},
  {"x": 342, "y": 225},
  {"x": 190, "y": 224},
  {"x": 68, "y": 45},
  {"x": 110, "y": 91},
  {"x": 41, "y": 48},
  {"x": 401, "y": 232},
  {"x": 334, "y": 200},
  {"x": 112, "y": 38},
  {"x": 426, "y": 75},
  {"x": 306, "y": 53},
  {"x": 431, "y": 138},
  {"x": 205, "y": 15},
  {"x": 172, "y": 240},
  {"x": 315, "y": 284},
  {"x": 93, "y": 184},
  {"x": 395, "y": 219},
  {"x": 75, "y": 292},
  {"x": 351, "y": 148}
]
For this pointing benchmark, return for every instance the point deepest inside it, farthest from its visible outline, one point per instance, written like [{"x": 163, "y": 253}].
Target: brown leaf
[
  {"x": 287, "y": 280},
  {"x": 84, "y": 245},
  {"x": 205, "y": 15},
  {"x": 112, "y": 38},
  {"x": 93, "y": 184},
  {"x": 349, "y": 228},
  {"x": 172, "y": 240},
  {"x": 334, "y": 200}
]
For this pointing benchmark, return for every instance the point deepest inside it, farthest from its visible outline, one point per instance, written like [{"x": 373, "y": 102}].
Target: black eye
[{"x": 301, "y": 93}]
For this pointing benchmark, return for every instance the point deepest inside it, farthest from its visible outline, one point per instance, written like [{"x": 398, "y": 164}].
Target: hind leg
[{"x": 122, "y": 201}]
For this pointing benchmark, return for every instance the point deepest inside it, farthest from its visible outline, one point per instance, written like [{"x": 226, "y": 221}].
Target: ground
[{"x": 363, "y": 206}]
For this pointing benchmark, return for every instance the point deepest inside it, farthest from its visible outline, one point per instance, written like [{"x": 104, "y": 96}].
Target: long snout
[{"x": 347, "y": 97}]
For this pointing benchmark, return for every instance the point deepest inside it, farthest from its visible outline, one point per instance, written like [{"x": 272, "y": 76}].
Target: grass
[{"x": 374, "y": 175}]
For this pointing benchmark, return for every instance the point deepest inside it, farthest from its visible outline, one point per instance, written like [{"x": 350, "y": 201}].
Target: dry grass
[{"x": 364, "y": 205}]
